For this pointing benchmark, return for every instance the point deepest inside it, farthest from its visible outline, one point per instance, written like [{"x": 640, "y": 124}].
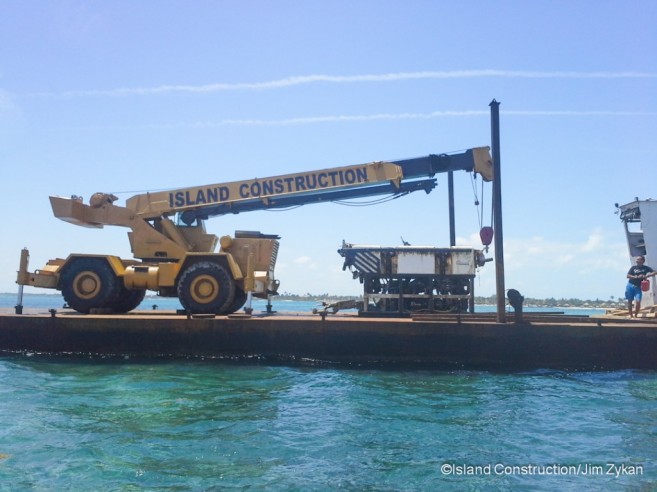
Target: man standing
[{"x": 633, "y": 292}]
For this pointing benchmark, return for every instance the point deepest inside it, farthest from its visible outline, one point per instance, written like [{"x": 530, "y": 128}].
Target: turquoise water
[
  {"x": 203, "y": 426},
  {"x": 89, "y": 424}
]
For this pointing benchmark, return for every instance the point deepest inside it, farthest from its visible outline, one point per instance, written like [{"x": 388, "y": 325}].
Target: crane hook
[{"x": 486, "y": 235}]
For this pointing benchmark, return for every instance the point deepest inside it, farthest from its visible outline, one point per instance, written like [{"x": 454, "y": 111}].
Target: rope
[{"x": 477, "y": 203}]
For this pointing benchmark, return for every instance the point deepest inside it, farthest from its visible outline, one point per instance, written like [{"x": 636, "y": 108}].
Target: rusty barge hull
[{"x": 464, "y": 342}]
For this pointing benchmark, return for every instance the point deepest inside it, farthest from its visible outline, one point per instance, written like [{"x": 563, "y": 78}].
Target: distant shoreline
[{"x": 479, "y": 301}]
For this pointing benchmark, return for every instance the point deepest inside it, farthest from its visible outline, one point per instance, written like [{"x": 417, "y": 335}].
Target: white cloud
[
  {"x": 587, "y": 268},
  {"x": 8, "y": 106},
  {"x": 11, "y": 117},
  {"x": 593, "y": 243},
  {"x": 565, "y": 259},
  {"x": 306, "y": 262}
]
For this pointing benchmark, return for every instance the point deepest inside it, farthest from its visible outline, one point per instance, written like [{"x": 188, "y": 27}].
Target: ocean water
[
  {"x": 56, "y": 301},
  {"x": 93, "y": 424}
]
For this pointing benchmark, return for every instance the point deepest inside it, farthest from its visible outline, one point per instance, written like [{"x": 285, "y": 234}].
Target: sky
[{"x": 127, "y": 97}]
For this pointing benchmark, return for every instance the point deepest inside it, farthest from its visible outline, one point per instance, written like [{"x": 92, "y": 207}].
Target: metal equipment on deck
[{"x": 413, "y": 279}]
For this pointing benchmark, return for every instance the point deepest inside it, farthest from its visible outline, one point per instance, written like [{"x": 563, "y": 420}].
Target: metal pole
[
  {"x": 249, "y": 283},
  {"x": 452, "y": 220},
  {"x": 471, "y": 301},
  {"x": 497, "y": 211},
  {"x": 23, "y": 276}
]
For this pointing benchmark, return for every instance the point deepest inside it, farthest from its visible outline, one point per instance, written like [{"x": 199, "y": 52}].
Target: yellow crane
[{"x": 175, "y": 256}]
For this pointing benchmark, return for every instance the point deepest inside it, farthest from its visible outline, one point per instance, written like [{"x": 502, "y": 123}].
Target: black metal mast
[{"x": 497, "y": 211}]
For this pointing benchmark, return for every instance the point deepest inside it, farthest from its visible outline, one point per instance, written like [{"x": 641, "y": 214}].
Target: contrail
[
  {"x": 345, "y": 79},
  {"x": 577, "y": 113},
  {"x": 311, "y": 120},
  {"x": 347, "y": 118}
]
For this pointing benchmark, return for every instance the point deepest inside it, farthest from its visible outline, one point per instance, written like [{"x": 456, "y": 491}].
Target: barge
[
  {"x": 442, "y": 341},
  {"x": 212, "y": 287}
]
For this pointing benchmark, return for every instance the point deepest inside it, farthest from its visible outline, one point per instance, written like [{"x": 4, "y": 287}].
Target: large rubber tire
[
  {"x": 238, "y": 301},
  {"x": 206, "y": 288},
  {"x": 128, "y": 300},
  {"x": 89, "y": 283}
]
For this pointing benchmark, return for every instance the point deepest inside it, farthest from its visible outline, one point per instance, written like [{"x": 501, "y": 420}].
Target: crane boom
[
  {"x": 311, "y": 187},
  {"x": 202, "y": 202},
  {"x": 262, "y": 190}
]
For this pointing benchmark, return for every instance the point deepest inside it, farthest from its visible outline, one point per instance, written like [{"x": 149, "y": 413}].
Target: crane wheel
[
  {"x": 206, "y": 288},
  {"x": 128, "y": 300},
  {"x": 238, "y": 301},
  {"x": 89, "y": 283}
]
